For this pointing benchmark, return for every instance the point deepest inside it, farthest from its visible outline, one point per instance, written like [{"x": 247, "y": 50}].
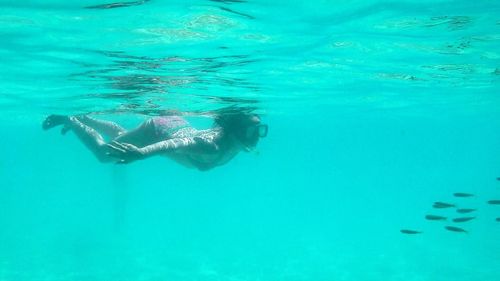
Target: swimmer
[{"x": 170, "y": 136}]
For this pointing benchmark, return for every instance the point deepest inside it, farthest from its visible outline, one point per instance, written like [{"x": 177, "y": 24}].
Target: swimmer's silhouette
[{"x": 170, "y": 136}]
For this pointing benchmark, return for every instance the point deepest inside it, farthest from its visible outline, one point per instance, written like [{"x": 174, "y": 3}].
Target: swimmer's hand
[{"x": 124, "y": 152}]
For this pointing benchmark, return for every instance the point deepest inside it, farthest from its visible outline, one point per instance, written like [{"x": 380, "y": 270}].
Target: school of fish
[{"x": 456, "y": 220}]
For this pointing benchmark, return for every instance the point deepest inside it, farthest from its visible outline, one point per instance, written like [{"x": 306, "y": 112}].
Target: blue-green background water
[{"x": 376, "y": 109}]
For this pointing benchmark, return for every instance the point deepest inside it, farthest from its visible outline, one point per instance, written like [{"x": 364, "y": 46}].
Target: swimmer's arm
[
  {"x": 167, "y": 146},
  {"x": 192, "y": 143},
  {"x": 126, "y": 153}
]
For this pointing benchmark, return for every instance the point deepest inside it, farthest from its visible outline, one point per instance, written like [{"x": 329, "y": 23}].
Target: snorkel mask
[
  {"x": 250, "y": 135},
  {"x": 259, "y": 130},
  {"x": 246, "y": 128}
]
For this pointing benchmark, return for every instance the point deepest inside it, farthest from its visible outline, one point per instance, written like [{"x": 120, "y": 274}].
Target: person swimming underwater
[{"x": 171, "y": 136}]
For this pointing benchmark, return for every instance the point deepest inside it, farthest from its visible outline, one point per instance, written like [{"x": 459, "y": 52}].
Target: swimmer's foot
[{"x": 56, "y": 120}]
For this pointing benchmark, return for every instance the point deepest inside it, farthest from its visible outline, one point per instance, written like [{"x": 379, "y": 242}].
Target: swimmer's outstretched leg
[
  {"x": 88, "y": 135},
  {"x": 108, "y": 128}
]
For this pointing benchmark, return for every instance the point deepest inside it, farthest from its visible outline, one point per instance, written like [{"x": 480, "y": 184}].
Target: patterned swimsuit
[
  {"x": 168, "y": 127},
  {"x": 175, "y": 127}
]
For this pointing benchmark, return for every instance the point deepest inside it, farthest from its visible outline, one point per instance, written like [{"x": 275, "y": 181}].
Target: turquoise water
[{"x": 375, "y": 111}]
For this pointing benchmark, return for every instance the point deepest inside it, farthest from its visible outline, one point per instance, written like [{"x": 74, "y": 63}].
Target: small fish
[
  {"x": 497, "y": 219},
  {"x": 465, "y": 211},
  {"x": 409, "y": 231},
  {"x": 442, "y": 205},
  {"x": 435, "y": 218},
  {"x": 455, "y": 229},
  {"x": 461, "y": 194},
  {"x": 498, "y": 179},
  {"x": 494, "y": 202},
  {"x": 464, "y": 219}
]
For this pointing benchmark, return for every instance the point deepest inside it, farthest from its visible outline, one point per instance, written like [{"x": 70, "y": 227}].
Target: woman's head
[{"x": 246, "y": 127}]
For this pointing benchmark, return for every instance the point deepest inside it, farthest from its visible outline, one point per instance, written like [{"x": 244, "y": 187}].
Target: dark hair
[
  {"x": 236, "y": 121},
  {"x": 235, "y": 118}
]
